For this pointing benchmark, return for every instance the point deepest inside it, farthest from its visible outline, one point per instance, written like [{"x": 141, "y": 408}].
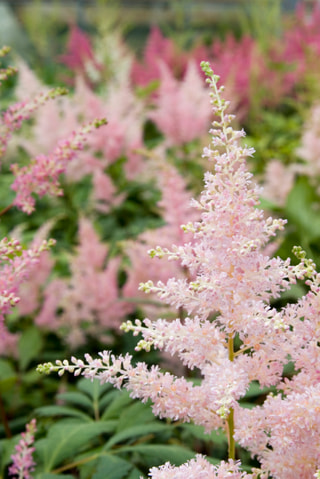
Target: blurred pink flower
[
  {"x": 23, "y": 462},
  {"x": 89, "y": 301},
  {"x": 277, "y": 182},
  {"x": 30, "y": 291},
  {"x": 175, "y": 208},
  {"x": 41, "y": 176},
  {"x": 309, "y": 150},
  {"x": 80, "y": 56},
  {"x": 158, "y": 50},
  {"x": 182, "y": 112}
]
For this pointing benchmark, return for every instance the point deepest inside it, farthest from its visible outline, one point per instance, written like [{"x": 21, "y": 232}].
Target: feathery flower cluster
[
  {"x": 175, "y": 209},
  {"x": 89, "y": 302},
  {"x": 182, "y": 112},
  {"x": 121, "y": 137},
  {"x": 199, "y": 468},
  {"x": 15, "y": 264},
  {"x": 41, "y": 175},
  {"x": 227, "y": 294},
  {"x": 13, "y": 117},
  {"x": 23, "y": 463}
]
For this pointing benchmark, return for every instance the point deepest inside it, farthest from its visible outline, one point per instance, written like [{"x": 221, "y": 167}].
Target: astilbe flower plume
[
  {"x": 79, "y": 56},
  {"x": 23, "y": 463},
  {"x": 16, "y": 264},
  {"x": 89, "y": 301},
  {"x": 41, "y": 176},
  {"x": 181, "y": 112},
  {"x": 29, "y": 291},
  {"x": 12, "y": 118},
  {"x": 122, "y": 136},
  {"x": 227, "y": 294},
  {"x": 158, "y": 50},
  {"x": 175, "y": 209}
]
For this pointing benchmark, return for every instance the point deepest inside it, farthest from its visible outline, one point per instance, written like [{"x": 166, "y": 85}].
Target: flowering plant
[
  {"x": 230, "y": 333},
  {"x": 23, "y": 462}
]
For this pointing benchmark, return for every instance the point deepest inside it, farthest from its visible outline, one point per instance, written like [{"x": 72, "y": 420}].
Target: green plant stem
[
  {"x": 231, "y": 441},
  {"x": 7, "y": 208},
  {"x": 71, "y": 465},
  {"x": 230, "y": 419},
  {"x": 4, "y": 419}
]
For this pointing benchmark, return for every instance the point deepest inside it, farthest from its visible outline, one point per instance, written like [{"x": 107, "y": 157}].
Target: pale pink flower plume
[
  {"x": 28, "y": 85},
  {"x": 226, "y": 293},
  {"x": 123, "y": 133},
  {"x": 284, "y": 434},
  {"x": 234, "y": 61},
  {"x": 30, "y": 291},
  {"x": 161, "y": 50},
  {"x": 13, "y": 117},
  {"x": 8, "y": 342},
  {"x": 89, "y": 301},
  {"x": 301, "y": 45},
  {"x": 310, "y": 145},
  {"x": 158, "y": 49},
  {"x": 175, "y": 208},
  {"x": 199, "y": 468},
  {"x": 247, "y": 74},
  {"x": 103, "y": 195},
  {"x": 122, "y": 136},
  {"x": 41, "y": 176},
  {"x": 277, "y": 182},
  {"x": 23, "y": 462},
  {"x": 182, "y": 112},
  {"x": 230, "y": 275},
  {"x": 16, "y": 265}
]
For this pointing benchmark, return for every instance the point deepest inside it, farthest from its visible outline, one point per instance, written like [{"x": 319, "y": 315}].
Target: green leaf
[
  {"x": 106, "y": 399},
  {"x": 302, "y": 209},
  {"x": 6, "y": 450},
  {"x": 135, "y": 431},
  {"x": 77, "y": 398},
  {"x": 62, "y": 411},
  {"x": 120, "y": 401},
  {"x": 93, "y": 388},
  {"x": 157, "y": 454},
  {"x": 247, "y": 405},
  {"x": 136, "y": 413},
  {"x": 66, "y": 439},
  {"x": 255, "y": 390},
  {"x": 8, "y": 375},
  {"x": 30, "y": 344},
  {"x": 198, "y": 432},
  {"x": 46, "y": 475},
  {"x": 111, "y": 467},
  {"x": 135, "y": 474}
]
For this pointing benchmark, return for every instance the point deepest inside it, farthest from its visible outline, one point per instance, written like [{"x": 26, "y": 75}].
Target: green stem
[
  {"x": 71, "y": 465},
  {"x": 231, "y": 441},
  {"x": 230, "y": 420},
  {"x": 4, "y": 419},
  {"x": 7, "y": 208}
]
